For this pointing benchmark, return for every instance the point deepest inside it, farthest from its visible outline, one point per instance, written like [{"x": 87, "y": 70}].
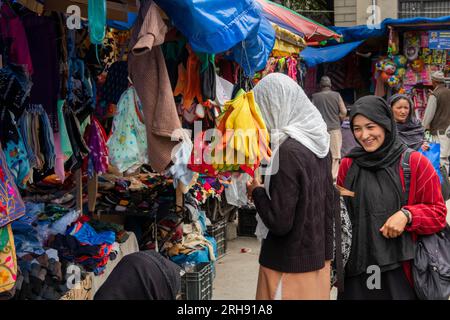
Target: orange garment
[{"x": 188, "y": 84}]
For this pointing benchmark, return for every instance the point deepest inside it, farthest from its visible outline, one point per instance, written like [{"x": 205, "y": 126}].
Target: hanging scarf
[
  {"x": 411, "y": 132},
  {"x": 374, "y": 177},
  {"x": 97, "y": 20}
]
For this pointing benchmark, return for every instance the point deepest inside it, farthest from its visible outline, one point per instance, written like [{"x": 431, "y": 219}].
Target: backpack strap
[{"x": 406, "y": 172}]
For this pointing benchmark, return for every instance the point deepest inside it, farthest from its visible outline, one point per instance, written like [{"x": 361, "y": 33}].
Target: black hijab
[
  {"x": 377, "y": 110},
  {"x": 144, "y": 275},
  {"x": 411, "y": 132},
  {"x": 375, "y": 179}
]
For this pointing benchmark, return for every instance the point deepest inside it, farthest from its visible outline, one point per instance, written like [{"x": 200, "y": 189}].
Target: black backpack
[{"x": 431, "y": 266}]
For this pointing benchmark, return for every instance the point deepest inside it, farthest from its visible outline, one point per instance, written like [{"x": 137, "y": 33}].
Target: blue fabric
[
  {"x": 434, "y": 155},
  {"x": 121, "y": 25},
  {"x": 87, "y": 235},
  {"x": 314, "y": 56},
  {"x": 252, "y": 54},
  {"x": 217, "y": 26},
  {"x": 362, "y": 32},
  {"x": 213, "y": 26},
  {"x": 26, "y": 239},
  {"x": 198, "y": 256}
]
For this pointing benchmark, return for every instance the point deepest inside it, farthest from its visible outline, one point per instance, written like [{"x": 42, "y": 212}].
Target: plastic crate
[
  {"x": 246, "y": 222},
  {"x": 218, "y": 232},
  {"x": 198, "y": 285}
]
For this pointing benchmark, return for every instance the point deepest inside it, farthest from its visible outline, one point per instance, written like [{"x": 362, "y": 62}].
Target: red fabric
[
  {"x": 425, "y": 201},
  {"x": 313, "y": 31}
]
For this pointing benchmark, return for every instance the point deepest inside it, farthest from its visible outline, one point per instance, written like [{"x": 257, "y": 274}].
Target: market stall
[{"x": 96, "y": 138}]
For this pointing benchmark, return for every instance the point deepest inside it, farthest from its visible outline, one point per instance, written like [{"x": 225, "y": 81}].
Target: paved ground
[{"x": 237, "y": 272}]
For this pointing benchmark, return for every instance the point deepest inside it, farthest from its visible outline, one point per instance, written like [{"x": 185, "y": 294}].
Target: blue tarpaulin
[
  {"x": 220, "y": 25},
  {"x": 363, "y": 32},
  {"x": 356, "y": 35},
  {"x": 314, "y": 56}
]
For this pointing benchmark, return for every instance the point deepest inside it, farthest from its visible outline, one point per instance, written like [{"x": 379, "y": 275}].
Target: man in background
[
  {"x": 437, "y": 115},
  {"x": 333, "y": 111}
]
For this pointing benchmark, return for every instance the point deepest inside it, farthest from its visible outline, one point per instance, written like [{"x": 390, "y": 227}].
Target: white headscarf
[{"x": 288, "y": 112}]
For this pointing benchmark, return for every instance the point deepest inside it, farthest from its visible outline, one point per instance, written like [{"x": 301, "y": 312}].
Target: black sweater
[{"x": 299, "y": 215}]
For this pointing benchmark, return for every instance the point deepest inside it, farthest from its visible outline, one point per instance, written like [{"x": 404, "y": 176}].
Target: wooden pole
[
  {"x": 92, "y": 192},
  {"x": 79, "y": 189}
]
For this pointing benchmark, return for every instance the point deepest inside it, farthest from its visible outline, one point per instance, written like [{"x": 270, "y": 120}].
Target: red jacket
[{"x": 425, "y": 201}]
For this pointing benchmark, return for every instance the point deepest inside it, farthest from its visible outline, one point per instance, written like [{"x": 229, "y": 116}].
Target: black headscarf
[
  {"x": 411, "y": 132},
  {"x": 374, "y": 177},
  {"x": 377, "y": 110},
  {"x": 144, "y": 275}
]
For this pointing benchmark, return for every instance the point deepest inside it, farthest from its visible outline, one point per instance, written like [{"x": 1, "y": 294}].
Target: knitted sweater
[{"x": 299, "y": 213}]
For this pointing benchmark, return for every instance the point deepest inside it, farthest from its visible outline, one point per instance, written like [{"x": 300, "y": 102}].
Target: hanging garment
[
  {"x": 14, "y": 91},
  {"x": 128, "y": 141},
  {"x": 95, "y": 137},
  {"x": 11, "y": 204},
  {"x": 8, "y": 260},
  {"x": 13, "y": 33},
  {"x": 190, "y": 87},
  {"x": 42, "y": 41},
  {"x": 149, "y": 74},
  {"x": 97, "y": 20},
  {"x": 38, "y": 136},
  {"x": 116, "y": 82},
  {"x": 208, "y": 77}
]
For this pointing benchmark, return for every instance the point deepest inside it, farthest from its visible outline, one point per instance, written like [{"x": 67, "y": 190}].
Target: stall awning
[
  {"x": 314, "y": 56},
  {"x": 294, "y": 22},
  {"x": 363, "y": 32}
]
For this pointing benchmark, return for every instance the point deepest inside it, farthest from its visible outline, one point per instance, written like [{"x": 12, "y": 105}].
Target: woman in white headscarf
[{"x": 298, "y": 200}]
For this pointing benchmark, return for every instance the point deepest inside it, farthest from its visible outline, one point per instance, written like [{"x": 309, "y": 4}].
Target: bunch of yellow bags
[{"x": 245, "y": 139}]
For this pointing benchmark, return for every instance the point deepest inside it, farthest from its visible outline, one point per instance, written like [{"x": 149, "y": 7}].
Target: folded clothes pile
[{"x": 141, "y": 196}]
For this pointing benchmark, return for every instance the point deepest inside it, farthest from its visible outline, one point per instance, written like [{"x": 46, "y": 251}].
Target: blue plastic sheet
[
  {"x": 434, "y": 155},
  {"x": 363, "y": 32},
  {"x": 314, "y": 56}
]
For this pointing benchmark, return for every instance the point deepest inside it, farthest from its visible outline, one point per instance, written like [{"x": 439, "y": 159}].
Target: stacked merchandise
[
  {"x": 411, "y": 71},
  {"x": 53, "y": 242}
]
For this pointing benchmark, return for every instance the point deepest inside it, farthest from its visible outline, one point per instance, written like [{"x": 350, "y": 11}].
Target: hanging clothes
[
  {"x": 97, "y": 160},
  {"x": 189, "y": 86},
  {"x": 148, "y": 72},
  {"x": 13, "y": 34},
  {"x": 42, "y": 41},
  {"x": 116, "y": 82},
  {"x": 14, "y": 91},
  {"x": 11, "y": 204},
  {"x": 128, "y": 142}
]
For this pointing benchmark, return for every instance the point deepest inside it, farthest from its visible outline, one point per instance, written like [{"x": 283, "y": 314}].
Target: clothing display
[{"x": 148, "y": 72}]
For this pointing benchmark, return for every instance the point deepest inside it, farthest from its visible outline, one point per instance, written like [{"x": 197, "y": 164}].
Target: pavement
[{"x": 237, "y": 271}]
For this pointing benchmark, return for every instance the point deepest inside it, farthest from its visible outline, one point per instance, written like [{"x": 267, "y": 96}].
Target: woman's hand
[
  {"x": 425, "y": 146},
  {"x": 395, "y": 225},
  {"x": 251, "y": 185}
]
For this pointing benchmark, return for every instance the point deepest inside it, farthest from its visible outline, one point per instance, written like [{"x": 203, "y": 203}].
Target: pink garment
[
  {"x": 11, "y": 28},
  {"x": 60, "y": 158},
  {"x": 292, "y": 71}
]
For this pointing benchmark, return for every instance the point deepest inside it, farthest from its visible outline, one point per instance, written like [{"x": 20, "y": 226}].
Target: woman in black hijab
[
  {"x": 410, "y": 130},
  {"x": 144, "y": 275},
  {"x": 385, "y": 220}
]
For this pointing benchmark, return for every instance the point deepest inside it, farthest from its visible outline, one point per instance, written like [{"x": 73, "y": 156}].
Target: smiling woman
[{"x": 385, "y": 220}]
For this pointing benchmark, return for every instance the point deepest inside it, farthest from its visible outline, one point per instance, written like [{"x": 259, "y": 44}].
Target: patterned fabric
[
  {"x": 116, "y": 82},
  {"x": 346, "y": 241},
  {"x": 95, "y": 136},
  {"x": 8, "y": 260},
  {"x": 11, "y": 204},
  {"x": 128, "y": 142}
]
